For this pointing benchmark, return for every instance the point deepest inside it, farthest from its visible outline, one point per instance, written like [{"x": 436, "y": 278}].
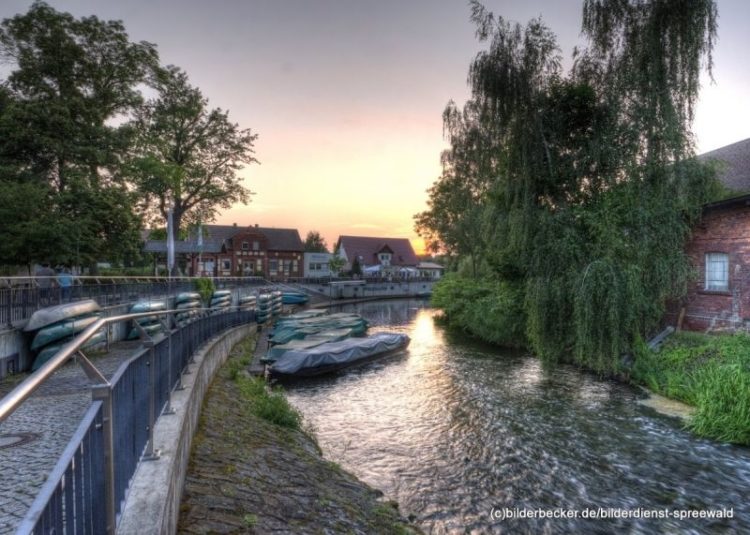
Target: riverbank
[
  {"x": 253, "y": 470},
  {"x": 708, "y": 372}
]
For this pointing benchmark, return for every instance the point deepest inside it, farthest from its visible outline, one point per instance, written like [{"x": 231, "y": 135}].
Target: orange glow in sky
[{"x": 347, "y": 95}]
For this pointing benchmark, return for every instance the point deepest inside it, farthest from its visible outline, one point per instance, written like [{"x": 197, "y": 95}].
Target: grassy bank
[
  {"x": 710, "y": 372},
  {"x": 253, "y": 470}
]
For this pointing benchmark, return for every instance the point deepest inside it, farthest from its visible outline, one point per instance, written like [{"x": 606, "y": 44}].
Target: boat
[
  {"x": 51, "y": 350},
  {"x": 333, "y": 356},
  {"x": 61, "y": 329},
  {"x": 48, "y": 316},
  {"x": 187, "y": 296},
  {"x": 294, "y": 298}
]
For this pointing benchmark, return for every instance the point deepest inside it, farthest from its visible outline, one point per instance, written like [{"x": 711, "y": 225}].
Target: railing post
[
  {"x": 151, "y": 453},
  {"x": 103, "y": 393}
]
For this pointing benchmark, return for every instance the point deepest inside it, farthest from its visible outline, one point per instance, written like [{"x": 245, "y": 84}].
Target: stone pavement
[{"x": 34, "y": 437}]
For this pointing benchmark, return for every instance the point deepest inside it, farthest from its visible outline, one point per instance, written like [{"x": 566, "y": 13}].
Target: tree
[
  {"x": 71, "y": 79},
  {"x": 315, "y": 243},
  {"x": 336, "y": 264},
  {"x": 356, "y": 268},
  {"x": 188, "y": 156},
  {"x": 588, "y": 185}
]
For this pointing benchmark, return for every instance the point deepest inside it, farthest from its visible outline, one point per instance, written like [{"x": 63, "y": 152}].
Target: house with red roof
[
  {"x": 378, "y": 254},
  {"x": 232, "y": 250}
]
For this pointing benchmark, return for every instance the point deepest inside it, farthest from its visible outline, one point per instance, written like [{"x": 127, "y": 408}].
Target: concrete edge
[{"x": 152, "y": 505}]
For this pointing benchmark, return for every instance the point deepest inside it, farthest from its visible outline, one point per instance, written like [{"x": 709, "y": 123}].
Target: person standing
[
  {"x": 45, "y": 276},
  {"x": 65, "y": 282}
]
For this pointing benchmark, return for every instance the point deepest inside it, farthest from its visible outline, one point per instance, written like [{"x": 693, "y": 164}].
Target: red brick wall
[{"x": 722, "y": 230}]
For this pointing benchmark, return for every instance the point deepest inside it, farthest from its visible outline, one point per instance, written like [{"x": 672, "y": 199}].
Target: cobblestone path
[{"x": 46, "y": 421}]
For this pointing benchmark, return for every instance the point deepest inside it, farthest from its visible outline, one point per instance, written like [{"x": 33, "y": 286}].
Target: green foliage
[
  {"x": 205, "y": 287},
  {"x": 577, "y": 189},
  {"x": 269, "y": 404},
  {"x": 336, "y": 264},
  {"x": 70, "y": 79},
  {"x": 490, "y": 310},
  {"x": 188, "y": 155},
  {"x": 711, "y": 373},
  {"x": 315, "y": 243}
]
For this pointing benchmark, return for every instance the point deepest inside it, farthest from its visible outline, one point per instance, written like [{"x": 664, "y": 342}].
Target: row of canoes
[{"x": 53, "y": 327}]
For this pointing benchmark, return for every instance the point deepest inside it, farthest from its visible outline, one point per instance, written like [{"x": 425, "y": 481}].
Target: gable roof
[
  {"x": 734, "y": 169},
  {"x": 368, "y": 247},
  {"x": 279, "y": 239}
]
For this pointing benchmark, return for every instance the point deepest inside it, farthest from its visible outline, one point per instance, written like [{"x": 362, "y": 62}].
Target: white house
[
  {"x": 316, "y": 265},
  {"x": 430, "y": 270}
]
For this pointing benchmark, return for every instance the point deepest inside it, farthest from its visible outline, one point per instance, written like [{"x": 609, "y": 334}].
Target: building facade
[
  {"x": 377, "y": 255},
  {"x": 236, "y": 251},
  {"x": 316, "y": 265},
  {"x": 719, "y": 249}
]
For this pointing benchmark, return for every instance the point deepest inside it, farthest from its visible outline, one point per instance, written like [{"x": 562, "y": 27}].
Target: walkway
[{"x": 44, "y": 425}]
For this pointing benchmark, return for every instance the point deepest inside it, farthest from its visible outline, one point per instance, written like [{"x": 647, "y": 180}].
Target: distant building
[
  {"x": 430, "y": 270},
  {"x": 720, "y": 251},
  {"x": 316, "y": 265},
  {"x": 387, "y": 256},
  {"x": 231, "y": 251}
]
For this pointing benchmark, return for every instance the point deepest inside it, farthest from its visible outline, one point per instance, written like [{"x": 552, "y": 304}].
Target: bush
[
  {"x": 205, "y": 287},
  {"x": 490, "y": 310},
  {"x": 268, "y": 404}
]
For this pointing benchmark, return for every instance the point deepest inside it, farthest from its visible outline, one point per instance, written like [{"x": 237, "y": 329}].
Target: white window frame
[{"x": 717, "y": 272}]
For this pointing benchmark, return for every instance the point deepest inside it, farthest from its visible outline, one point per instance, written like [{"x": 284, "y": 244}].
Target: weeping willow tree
[{"x": 593, "y": 185}]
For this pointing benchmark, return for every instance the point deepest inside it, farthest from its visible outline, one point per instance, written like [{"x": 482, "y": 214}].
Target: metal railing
[
  {"x": 86, "y": 490},
  {"x": 20, "y": 297}
]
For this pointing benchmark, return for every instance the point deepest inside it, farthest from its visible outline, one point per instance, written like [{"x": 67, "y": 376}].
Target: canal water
[{"x": 457, "y": 432}]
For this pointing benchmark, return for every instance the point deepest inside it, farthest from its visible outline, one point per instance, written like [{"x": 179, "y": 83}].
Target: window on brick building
[{"x": 717, "y": 271}]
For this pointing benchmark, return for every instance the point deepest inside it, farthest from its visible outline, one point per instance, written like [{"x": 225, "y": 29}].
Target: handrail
[{"x": 25, "y": 389}]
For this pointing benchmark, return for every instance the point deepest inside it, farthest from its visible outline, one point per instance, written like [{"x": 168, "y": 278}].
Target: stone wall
[{"x": 153, "y": 501}]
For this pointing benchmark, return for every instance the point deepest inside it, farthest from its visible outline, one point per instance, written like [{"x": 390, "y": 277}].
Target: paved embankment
[
  {"x": 251, "y": 476},
  {"x": 34, "y": 437}
]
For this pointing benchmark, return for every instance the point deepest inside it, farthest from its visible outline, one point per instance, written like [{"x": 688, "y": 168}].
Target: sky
[{"x": 346, "y": 96}]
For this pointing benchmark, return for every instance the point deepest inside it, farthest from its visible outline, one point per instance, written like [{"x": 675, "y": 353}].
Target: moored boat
[{"x": 334, "y": 356}]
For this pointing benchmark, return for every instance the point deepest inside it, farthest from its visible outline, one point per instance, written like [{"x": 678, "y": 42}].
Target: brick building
[
  {"x": 231, "y": 251},
  {"x": 720, "y": 251}
]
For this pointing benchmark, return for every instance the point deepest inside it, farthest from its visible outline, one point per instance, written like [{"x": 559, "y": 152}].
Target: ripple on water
[{"x": 454, "y": 428}]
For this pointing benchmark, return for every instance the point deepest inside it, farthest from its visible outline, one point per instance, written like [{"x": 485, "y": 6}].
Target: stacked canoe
[
  {"x": 221, "y": 300},
  {"x": 312, "y": 328},
  {"x": 263, "y": 308},
  {"x": 150, "y": 324},
  {"x": 55, "y": 326},
  {"x": 189, "y": 307},
  {"x": 248, "y": 302},
  {"x": 276, "y": 303}
]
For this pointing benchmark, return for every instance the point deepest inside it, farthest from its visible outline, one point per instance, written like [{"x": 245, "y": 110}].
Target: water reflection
[{"x": 454, "y": 428}]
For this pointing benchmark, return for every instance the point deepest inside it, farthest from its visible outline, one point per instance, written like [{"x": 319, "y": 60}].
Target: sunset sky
[{"x": 347, "y": 95}]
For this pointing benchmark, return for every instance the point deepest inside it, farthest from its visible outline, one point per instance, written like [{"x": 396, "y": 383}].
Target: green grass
[
  {"x": 264, "y": 402},
  {"x": 710, "y": 372}
]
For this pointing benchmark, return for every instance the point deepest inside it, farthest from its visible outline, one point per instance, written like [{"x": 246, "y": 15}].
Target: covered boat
[{"x": 332, "y": 356}]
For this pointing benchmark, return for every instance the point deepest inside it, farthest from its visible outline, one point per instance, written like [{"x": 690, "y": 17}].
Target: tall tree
[
  {"x": 591, "y": 189},
  {"x": 71, "y": 78},
  {"x": 188, "y": 156},
  {"x": 315, "y": 243}
]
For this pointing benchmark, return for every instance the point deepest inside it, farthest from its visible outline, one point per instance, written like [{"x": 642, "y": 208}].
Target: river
[{"x": 455, "y": 430}]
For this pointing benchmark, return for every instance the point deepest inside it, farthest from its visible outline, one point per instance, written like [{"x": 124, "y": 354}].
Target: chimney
[
  {"x": 234, "y": 224},
  {"x": 256, "y": 225}
]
